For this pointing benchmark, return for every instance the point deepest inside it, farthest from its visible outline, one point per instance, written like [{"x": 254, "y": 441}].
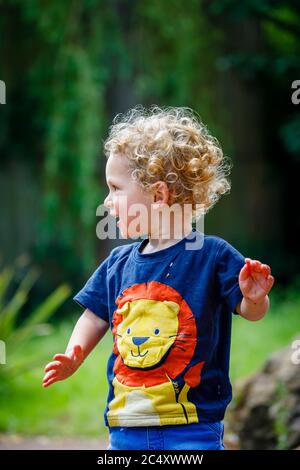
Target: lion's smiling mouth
[{"x": 139, "y": 353}]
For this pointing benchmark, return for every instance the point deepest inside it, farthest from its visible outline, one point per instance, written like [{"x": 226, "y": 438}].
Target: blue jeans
[{"x": 195, "y": 436}]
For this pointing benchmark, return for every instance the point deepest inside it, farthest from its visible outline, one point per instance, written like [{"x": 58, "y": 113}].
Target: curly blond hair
[{"x": 171, "y": 144}]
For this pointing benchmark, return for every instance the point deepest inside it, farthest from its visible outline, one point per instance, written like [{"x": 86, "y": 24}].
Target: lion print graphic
[{"x": 155, "y": 338}]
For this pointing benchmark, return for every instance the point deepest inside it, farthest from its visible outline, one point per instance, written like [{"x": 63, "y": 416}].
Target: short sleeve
[
  {"x": 94, "y": 294},
  {"x": 229, "y": 262}
]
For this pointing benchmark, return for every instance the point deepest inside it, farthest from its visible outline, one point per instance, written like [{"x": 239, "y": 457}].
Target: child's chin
[{"x": 123, "y": 232}]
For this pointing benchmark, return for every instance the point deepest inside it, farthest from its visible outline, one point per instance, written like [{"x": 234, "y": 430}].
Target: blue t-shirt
[{"x": 170, "y": 316}]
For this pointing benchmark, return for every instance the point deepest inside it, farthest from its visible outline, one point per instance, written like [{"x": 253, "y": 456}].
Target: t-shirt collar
[{"x": 161, "y": 254}]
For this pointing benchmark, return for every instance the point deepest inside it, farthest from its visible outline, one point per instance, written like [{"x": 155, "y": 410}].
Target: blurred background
[{"x": 69, "y": 67}]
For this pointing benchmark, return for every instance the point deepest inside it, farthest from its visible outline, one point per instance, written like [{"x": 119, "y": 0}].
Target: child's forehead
[{"x": 116, "y": 166}]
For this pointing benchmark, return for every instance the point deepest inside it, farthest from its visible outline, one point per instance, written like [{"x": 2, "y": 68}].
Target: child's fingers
[
  {"x": 52, "y": 365},
  {"x": 49, "y": 382},
  {"x": 244, "y": 273},
  {"x": 266, "y": 270},
  {"x": 61, "y": 357},
  {"x": 248, "y": 262},
  {"x": 255, "y": 269},
  {"x": 260, "y": 270},
  {"x": 256, "y": 266},
  {"x": 50, "y": 374},
  {"x": 270, "y": 281}
]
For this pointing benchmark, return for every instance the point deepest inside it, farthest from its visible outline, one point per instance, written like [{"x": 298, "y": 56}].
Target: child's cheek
[{"x": 118, "y": 208}]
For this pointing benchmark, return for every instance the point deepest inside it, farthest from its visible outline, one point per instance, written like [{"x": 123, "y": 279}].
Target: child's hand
[
  {"x": 63, "y": 366},
  {"x": 255, "y": 280}
]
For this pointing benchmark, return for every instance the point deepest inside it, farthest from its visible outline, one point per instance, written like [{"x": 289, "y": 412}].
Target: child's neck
[{"x": 165, "y": 239}]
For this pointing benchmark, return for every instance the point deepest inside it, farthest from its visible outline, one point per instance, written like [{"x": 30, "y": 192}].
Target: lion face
[{"x": 147, "y": 331}]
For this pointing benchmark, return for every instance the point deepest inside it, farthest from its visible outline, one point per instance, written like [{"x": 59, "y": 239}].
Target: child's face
[{"x": 124, "y": 191}]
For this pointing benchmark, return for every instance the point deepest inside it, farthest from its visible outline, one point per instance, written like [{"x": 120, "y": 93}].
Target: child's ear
[
  {"x": 161, "y": 194},
  {"x": 153, "y": 191}
]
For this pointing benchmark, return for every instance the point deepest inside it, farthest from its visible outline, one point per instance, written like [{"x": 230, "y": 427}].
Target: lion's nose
[{"x": 138, "y": 340}]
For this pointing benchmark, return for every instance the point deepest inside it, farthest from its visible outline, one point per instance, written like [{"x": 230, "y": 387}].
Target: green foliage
[
  {"x": 281, "y": 419},
  {"x": 15, "y": 332},
  {"x": 253, "y": 341},
  {"x": 68, "y": 407},
  {"x": 290, "y": 134},
  {"x": 63, "y": 81},
  {"x": 71, "y": 66},
  {"x": 276, "y": 60},
  {"x": 177, "y": 57}
]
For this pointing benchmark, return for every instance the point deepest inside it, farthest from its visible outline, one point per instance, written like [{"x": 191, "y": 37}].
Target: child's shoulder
[
  {"x": 121, "y": 251},
  {"x": 214, "y": 241},
  {"x": 219, "y": 245}
]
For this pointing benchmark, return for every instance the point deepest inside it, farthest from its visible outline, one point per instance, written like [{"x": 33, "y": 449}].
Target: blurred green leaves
[
  {"x": 290, "y": 134},
  {"x": 17, "y": 332},
  {"x": 71, "y": 66}
]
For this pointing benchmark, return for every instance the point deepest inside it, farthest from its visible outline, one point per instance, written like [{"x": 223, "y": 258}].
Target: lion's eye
[
  {"x": 156, "y": 331},
  {"x": 128, "y": 330}
]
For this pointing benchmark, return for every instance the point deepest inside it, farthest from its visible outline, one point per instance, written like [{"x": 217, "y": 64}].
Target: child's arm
[
  {"x": 255, "y": 282},
  {"x": 88, "y": 331}
]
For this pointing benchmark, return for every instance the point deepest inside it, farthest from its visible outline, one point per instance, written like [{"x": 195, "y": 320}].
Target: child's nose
[{"x": 109, "y": 205}]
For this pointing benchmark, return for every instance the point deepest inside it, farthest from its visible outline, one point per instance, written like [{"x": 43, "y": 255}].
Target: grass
[
  {"x": 68, "y": 408},
  {"x": 252, "y": 342},
  {"x": 76, "y": 406}
]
